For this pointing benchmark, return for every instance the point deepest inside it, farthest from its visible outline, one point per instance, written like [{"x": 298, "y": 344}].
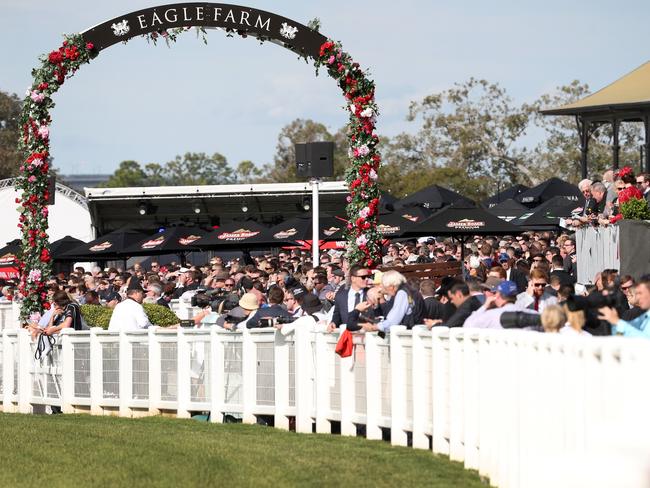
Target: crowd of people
[{"x": 524, "y": 281}]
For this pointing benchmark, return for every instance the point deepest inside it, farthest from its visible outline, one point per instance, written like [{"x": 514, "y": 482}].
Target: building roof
[{"x": 630, "y": 93}]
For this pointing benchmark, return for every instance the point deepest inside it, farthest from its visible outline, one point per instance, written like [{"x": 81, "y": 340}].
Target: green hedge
[{"x": 99, "y": 316}]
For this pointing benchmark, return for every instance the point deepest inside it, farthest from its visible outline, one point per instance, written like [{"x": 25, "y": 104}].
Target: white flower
[
  {"x": 363, "y": 150},
  {"x": 368, "y": 112},
  {"x": 373, "y": 174},
  {"x": 362, "y": 240},
  {"x": 364, "y": 212},
  {"x": 353, "y": 108}
]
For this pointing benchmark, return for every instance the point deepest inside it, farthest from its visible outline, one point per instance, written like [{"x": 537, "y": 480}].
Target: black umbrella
[
  {"x": 172, "y": 240},
  {"x": 300, "y": 229},
  {"x": 109, "y": 246},
  {"x": 553, "y": 187},
  {"x": 460, "y": 220},
  {"x": 395, "y": 224},
  {"x": 387, "y": 202},
  {"x": 504, "y": 195},
  {"x": 63, "y": 245},
  {"x": 240, "y": 235},
  {"x": 508, "y": 210},
  {"x": 9, "y": 259},
  {"x": 433, "y": 197},
  {"x": 546, "y": 216}
]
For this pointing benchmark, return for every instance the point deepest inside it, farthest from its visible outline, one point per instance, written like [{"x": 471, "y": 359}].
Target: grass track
[{"x": 81, "y": 450}]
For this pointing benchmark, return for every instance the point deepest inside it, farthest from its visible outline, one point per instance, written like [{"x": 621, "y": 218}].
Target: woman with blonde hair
[{"x": 553, "y": 318}]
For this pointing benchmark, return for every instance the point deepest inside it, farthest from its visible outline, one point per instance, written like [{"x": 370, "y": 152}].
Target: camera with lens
[
  {"x": 593, "y": 301},
  {"x": 232, "y": 319},
  {"x": 519, "y": 320},
  {"x": 273, "y": 321},
  {"x": 201, "y": 300}
]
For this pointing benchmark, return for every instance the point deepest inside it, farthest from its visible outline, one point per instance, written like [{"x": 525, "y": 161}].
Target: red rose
[
  {"x": 45, "y": 256},
  {"x": 55, "y": 57},
  {"x": 71, "y": 53},
  {"x": 43, "y": 86},
  {"x": 90, "y": 46},
  {"x": 46, "y": 305}
]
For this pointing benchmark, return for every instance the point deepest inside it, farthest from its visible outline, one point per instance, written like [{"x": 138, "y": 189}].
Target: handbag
[{"x": 345, "y": 344}]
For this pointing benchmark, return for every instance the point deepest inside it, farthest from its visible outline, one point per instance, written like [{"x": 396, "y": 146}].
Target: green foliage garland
[{"x": 34, "y": 144}]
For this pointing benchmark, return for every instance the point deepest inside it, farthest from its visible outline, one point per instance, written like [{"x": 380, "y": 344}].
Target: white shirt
[
  {"x": 570, "y": 331},
  {"x": 128, "y": 315},
  {"x": 491, "y": 319}
]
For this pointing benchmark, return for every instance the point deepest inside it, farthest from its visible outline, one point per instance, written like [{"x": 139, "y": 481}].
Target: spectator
[
  {"x": 557, "y": 269},
  {"x": 570, "y": 257},
  {"x": 433, "y": 308},
  {"x": 553, "y": 319},
  {"x": 575, "y": 321},
  {"x": 640, "y": 326},
  {"x": 347, "y": 298},
  {"x": 465, "y": 304},
  {"x": 129, "y": 314},
  {"x": 403, "y": 310},
  {"x": 536, "y": 297},
  {"x": 66, "y": 314},
  {"x": 488, "y": 316},
  {"x": 274, "y": 310},
  {"x": 643, "y": 184}
]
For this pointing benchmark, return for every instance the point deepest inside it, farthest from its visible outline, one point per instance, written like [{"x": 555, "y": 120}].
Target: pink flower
[
  {"x": 364, "y": 212},
  {"x": 34, "y": 275},
  {"x": 362, "y": 240},
  {"x": 37, "y": 96},
  {"x": 363, "y": 150},
  {"x": 31, "y": 179},
  {"x": 331, "y": 60},
  {"x": 348, "y": 199},
  {"x": 44, "y": 132},
  {"x": 37, "y": 162},
  {"x": 45, "y": 212},
  {"x": 372, "y": 174}
]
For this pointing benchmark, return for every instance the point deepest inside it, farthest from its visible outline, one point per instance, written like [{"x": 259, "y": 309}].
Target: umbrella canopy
[
  {"x": 546, "y": 216},
  {"x": 387, "y": 202},
  {"x": 508, "y": 210},
  {"x": 109, "y": 246},
  {"x": 172, "y": 240},
  {"x": 433, "y": 197},
  {"x": 9, "y": 260},
  {"x": 240, "y": 235},
  {"x": 506, "y": 194},
  {"x": 395, "y": 224},
  {"x": 63, "y": 245},
  {"x": 300, "y": 229},
  {"x": 553, "y": 187},
  {"x": 462, "y": 219}
]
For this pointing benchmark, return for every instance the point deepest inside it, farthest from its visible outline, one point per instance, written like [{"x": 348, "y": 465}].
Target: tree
[
  {"x": 198, "y": 169},
  {"x": 283, "y": 169},
  {"x": 247, "y": 172},
  {"x": 10, "y": 157},
  {"x": 129, "y": 173}
]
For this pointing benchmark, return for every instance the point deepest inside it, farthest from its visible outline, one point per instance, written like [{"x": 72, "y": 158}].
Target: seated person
[{"x": 274, "y": 310}]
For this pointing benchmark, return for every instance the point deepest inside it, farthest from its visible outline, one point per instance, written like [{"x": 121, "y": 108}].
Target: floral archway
[{"x": 154, "y": 24}]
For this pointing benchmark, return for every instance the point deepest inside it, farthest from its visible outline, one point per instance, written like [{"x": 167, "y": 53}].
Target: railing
[{"x": 522, "y": 408}]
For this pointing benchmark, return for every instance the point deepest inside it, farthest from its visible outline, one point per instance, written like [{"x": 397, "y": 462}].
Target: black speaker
[
  {"x": 315, "y": 160},
  {"x": 51, "y": 189}
]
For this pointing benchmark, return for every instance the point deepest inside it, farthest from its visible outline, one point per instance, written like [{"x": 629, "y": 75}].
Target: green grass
[{"x": 81, "y": 450}]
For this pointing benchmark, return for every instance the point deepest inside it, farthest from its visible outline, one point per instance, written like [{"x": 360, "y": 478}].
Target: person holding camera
[
  {"x": 274, "y": 310},
  {"x": 312, "y": 306},
  {"x": 501, "y": 299},
  {"x": 640, "y": 326}
]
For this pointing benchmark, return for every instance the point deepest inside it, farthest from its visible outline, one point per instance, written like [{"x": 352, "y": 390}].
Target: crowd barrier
[{"x": 524, "y": 409}]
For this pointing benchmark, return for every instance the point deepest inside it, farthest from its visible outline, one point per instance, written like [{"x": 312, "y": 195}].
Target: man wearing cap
[
  {"x": 129, "y": 314},
  {"x": 502, "y": 300}
]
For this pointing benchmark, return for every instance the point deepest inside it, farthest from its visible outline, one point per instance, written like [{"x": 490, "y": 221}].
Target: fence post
[
  {"x": 25, "y": 365},
  {"x": 96, "y": 370},
  {"x": 398, "y": 393},
  {"x": 323, "y": 401},
  {"x": 456, "y": 393},
  {"x": 126, "y": 374},
  {"x": 217, "y": 366},
  {"x": 420, "y": 388},
  {"x": 281, "y": 372},
  {"x": 440, "y": 389},
  {"x": 7, "y": 372},
  {"x": 249, "y": 370},
  {"x": 304, "y": 379},
  {"x": 373, "y": 386},
  {"x": 347, "y": 394},
  {"x": 154, "y": 371},
  {"x": 183, "y": 375},
  {"x": 471, "y": 397}
]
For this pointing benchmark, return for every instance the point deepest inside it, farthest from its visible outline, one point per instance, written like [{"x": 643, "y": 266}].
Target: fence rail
[{"x": 521, "y": 408}]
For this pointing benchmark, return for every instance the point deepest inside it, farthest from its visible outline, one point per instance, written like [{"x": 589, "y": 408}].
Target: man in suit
[
  {"x": 433, "y": 308},
  {"x": 643, "y": 184},
  {"x": 570, "y": 257},
  {"x": 465, "y": 304},
  {"x": 512, "y": 273},
  {"x": 557, "y": 269},
  {"x": 348, "y": 297}
]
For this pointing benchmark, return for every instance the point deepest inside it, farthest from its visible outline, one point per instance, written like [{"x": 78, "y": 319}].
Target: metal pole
[
  {"x": 616, "y": 148},
  {"x": 314, "y": 219}
]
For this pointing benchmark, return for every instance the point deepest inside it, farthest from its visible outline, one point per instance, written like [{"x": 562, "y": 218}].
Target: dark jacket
[
  {"x": 462, "y": 312},
  {"x": 565, "y": 278},
  {"x": 519, "y": 278},
  {"x": 434, "y": 309},
  {"x": 569, "y": 266},
  {"x": 340, "y": 314},
  {"x": 271, "y": 312}
]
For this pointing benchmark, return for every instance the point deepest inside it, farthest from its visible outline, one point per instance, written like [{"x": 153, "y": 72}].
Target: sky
[{"x": 149, "y": 103}]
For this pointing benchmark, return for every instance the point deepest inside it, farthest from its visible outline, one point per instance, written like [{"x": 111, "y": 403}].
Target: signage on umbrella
[
  {"x": 150, "y": 244},
  {"x": 187, "y": 240},
  {"x": 466, "y": 224},
  {"x": 330, "y": 231},
  {"x": 8, "y": 266},
  {"x": 238, "y": 235},
  {"x": 286, "y": 234},
  {"x": 388, "y": 229},
  {"x": 101, "y": 247}
]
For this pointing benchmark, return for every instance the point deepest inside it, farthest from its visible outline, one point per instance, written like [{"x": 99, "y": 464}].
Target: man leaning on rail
[{"x": 640, "y": 326}]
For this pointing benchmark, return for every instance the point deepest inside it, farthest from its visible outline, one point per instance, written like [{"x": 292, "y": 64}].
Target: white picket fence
[{"x": 523, "y": 409}]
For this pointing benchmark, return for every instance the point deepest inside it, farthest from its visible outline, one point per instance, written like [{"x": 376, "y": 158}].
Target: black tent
[
  {"x": 504, "y": 195},
  {"x": 548, "y": 189},
  {"x": 547, "y": 215},
  {"x": 395, "y": 224},
  {"x": 172, "y": 240},
  {"x": 109, "y": 246},
  {"x": 462, "y": 219},
  {"x": 240, "y": 235},
  {"x": 508, "y": 210},
  {"x": 9, "y": 259},
  {"x": 60, "y": 247},
  {"x": 300, "y": 229},
  {"x": 387, "y": 202},
  {"x": 433, "y": 197}
]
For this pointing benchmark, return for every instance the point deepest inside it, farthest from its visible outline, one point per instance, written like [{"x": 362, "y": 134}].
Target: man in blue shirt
[{"x": 640, "y": 326}]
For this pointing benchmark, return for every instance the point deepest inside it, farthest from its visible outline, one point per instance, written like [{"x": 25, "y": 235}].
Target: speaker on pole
[{"x": 315, "y": 160}]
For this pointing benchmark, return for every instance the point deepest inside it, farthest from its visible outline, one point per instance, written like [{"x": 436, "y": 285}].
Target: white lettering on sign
[{"x": 167, "y": 16}]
